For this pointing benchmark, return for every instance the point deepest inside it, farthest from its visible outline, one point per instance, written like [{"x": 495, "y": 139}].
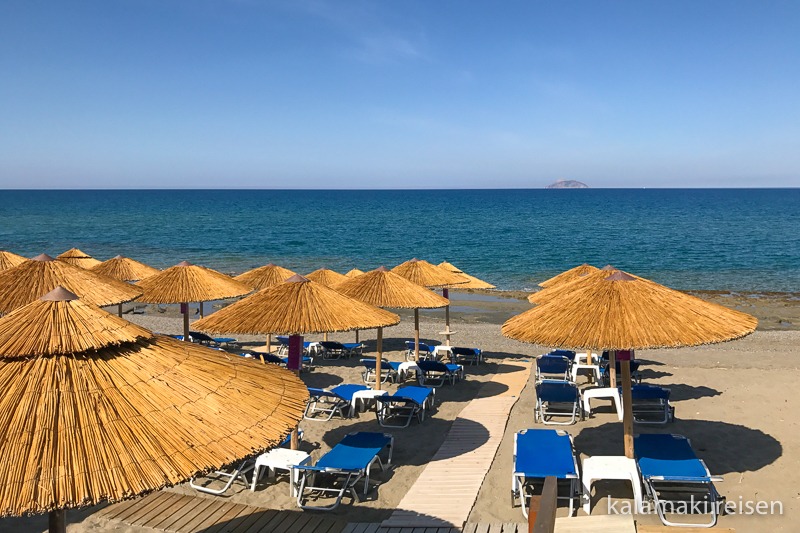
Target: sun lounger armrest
[{"x": 325, "y": 469}]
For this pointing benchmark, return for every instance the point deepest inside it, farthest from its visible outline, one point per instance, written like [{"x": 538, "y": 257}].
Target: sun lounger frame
[
  {"x": 345, "y": 479},
  {"x": 436, "y": 373},
  {"x": 330, "y": 402},
  {"x": 405, "y": 404},
  {"x": 545, "y": 409},
  {"x": 389, "y": 372},
  {"x": 650, "y": 405}
]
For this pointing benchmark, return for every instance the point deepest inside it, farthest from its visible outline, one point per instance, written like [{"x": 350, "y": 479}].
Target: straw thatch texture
[
  {"x": 569, "y": 275},
  {"x": 10, "y": 259},
  {"x": 326, "y": 277},
  {"x": 109, "y": 425},
  {"x": 623, "y": 312},
  {"x": 265, "y": 277},
  {"x": 125, "y": 269},
  {"x": 553, "y": 292},
  {"x": 36, "y": 277},
  {"x": 424, "y": 273},
  {"x": 72, "y": 325},
  {"x": 353, "y": 273},
  {"x": 296, "y": 307},
  {"x": 384, "y": 288},
  {"x": 473, "y": 283},
  {"x": 185, "y": 282},
  {"x": 79, "y": 258}
]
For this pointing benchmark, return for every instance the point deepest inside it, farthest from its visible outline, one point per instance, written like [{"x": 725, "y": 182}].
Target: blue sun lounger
[
  {"x": 552, "y": 367},
  {"x": 557, "y": 398},
  {"x": 339, "y": 470},
  {"x": 390, "y": 370},
  {"x": 425, "y": 350},
  {"x": 306, "y": 361},
  {"x": 542, "y": 453},
  {"x": 331, "y": 402},
  {"x": 650, "y": 404},
  {"x": 675, "y": 480},
  {"x": 436, "y": 373},
  {"x": 398, "y": 409}
]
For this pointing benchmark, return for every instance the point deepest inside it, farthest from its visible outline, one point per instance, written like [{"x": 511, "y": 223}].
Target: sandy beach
[{"x": 733, "y": 401}]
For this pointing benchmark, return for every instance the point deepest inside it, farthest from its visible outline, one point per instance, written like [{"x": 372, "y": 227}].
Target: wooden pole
[
  {"x": 185, "y": 307},
  {"x": 119, "y": 310},
  {"x": 416, "y": 334},
  {"x": 356, "y": 336},
  {"x": 542, "y": 511},
  {"x": 325, "y": 336},
  {"x": 201, "y": 309},
  {"x": 57, "y": 521},
  {"x": 446, "y": 294},
  {"x": 269, "y": 343},
  {"x": 378, "y": 360},
  {"x": 627, "y": 407}
]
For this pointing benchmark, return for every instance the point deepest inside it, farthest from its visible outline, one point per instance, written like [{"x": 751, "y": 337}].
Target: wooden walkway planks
[
  {"x": 445, "y": 492},
  {"x": 173, "y": 512}
]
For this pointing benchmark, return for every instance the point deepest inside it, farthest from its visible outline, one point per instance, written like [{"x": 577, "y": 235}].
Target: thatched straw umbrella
[
  {"x": 10, "y": 259},
  {"x": 296, "y": 307},
  {"x": 95, "y": 409},
  {"x": 265, "y": 277},
  {"x": 36, "y": 277},
  {"x": 428, "y": 275},
  {"x": 569, "y": 275},
  {"x": 124, "y": 269},
  {"x": 353, "y": 273},
  {"x": 568, "y": 283},
  {"x": 473, "y": 283},
  {"x": 326, "y": 276},
  {"x": 625, "y": 312},
  {"x": 184, "y": 283},
  {"x": 383, "y": 288},
  {"x": 78, "y": 258}
]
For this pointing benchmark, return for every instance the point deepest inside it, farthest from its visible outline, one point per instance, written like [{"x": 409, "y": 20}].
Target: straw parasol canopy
[
  {"x": 569, "y": 283},
  {"x": 98, "y": 410},
  {"x": 473, "y": 283},
  {"x": 10, "y": 259},
  {"x": 619, "y": 311},
  {"x": 569, "y": 275},
  {"x": 296, "y": 307},
  {"x": 184, "y": 283},
  {"x": 424, "y": 273},
  {"x": 265, "y": 276},
  {"x": 428, "y": 275},
  {"x": 353, "y": 273},
  {"x": 125, "y": 269},
  {"x": 326, "y": 277},
  {"x": 79, "y": 258},
  {"x": 36, "y": 277},
  {"x": 383, "y": 288}
]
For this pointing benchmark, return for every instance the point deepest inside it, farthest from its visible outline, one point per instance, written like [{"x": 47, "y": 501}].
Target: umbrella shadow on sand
[
  {"x": 680, "y": 391},
  {"x": 321, "y": 380},
  {"x": 726, "y": 448}
]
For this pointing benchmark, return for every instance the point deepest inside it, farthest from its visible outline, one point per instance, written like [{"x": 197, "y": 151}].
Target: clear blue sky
[{"x": 400, "y": 93}]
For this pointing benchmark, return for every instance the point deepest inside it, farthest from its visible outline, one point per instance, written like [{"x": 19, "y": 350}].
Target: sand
[{"x": 735, "y": 401}]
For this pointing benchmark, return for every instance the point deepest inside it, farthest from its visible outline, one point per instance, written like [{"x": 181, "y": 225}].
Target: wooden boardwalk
[
  {"x": 445, "y": 492},
  {"x": 468, "y": 528},
  {"x": 170, "y": 511}
]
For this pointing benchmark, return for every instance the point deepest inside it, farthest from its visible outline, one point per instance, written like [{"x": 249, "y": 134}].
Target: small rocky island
[{"x": 567, "y": 184}]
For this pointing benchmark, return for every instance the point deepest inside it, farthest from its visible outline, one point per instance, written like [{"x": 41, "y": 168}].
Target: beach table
[{"x": 281, "y": 459}]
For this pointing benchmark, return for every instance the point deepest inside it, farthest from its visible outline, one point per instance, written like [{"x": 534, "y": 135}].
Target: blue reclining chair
[
  {"x": 472, "y": 356},
  {"x": 605, "y": 374},
  {"x": 238, "y": 472},
  {"x": 339, "y": 470},
  {"x": 552, "y": 367},
  {"x": 650, "y": 404},
  {"x": 542, "y": 453},
  {"x": 398, "y": 409},
  {"x": 675, "y": 479},
  {"x": 436, "y": 373},
  {"x": 333, "y": 350},
  {"x": 425, "y": 350},
  {"x": 390, "y": 370},
  {"x": 331, "y": 402},
  {"x": 306, "y": 362},
  {"x": 569, "y": 354},
  {"x": 557, "y": 398}
]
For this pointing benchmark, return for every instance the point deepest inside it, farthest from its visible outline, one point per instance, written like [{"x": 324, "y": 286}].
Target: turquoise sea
[{"x": 738, "y": 240}]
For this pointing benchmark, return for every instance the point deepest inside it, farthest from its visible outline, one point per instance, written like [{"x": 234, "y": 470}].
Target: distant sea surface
[{"x": 739, "y": 240}]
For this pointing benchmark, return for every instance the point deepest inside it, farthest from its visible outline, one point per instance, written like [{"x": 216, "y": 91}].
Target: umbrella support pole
[
  {"x": 627, "y": 407},
  {"x": 269, "y": 343},
  {"x": 57, "y": 521},
  {"x": 119, "y": 310},
  {"x": 446, "y": 294},
  {"x": 378, "y": 359},
  {"x": 416, "y": 334},
  {"x": 185, "y": 309},
  {"x": 356, "y": 336}
]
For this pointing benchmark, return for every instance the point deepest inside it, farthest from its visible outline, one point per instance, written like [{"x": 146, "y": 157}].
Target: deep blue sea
[{"x": 739, "y": 240}]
